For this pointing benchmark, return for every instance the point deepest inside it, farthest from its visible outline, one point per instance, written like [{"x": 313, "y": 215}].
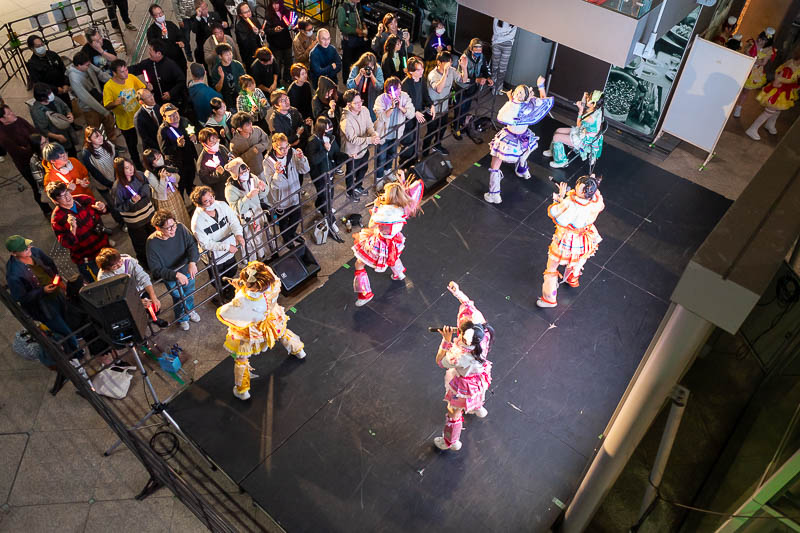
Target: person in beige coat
[
  {"x": 358, "y": 134},
  {"x": 392, "y": 109},
  {"x": 249, "y": 142}
]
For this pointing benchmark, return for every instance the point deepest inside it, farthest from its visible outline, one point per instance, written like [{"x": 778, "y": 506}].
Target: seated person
[{"x": 583, "y": 136}]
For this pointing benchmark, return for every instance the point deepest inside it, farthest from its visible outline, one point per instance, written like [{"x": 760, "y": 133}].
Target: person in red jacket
[{"x": 78, "y": 227}]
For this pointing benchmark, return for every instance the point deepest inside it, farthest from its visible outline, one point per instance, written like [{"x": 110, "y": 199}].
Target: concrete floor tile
[
  {"x": 123, "y": 516},
  {"x": 66, "y": 410},
  {"x": 57, "y": 518},
  {"x": 59, "y": 467},
  {"x": 121, "y": 476},
  {"x": 21, "y": 394},
  {"x": 13, "y": 447},
  {"x": 183, "y": 520}
]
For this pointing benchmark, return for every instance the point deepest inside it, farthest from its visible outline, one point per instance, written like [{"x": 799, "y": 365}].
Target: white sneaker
[
  {"x": 241, "y": 395},
  {"x": 737, "y": 111},
  {"x": 300, "y": 355},
  {"x": 399, "y": 277},
  {"x": 364, "y": 301},
  {"x": 493, "y": 197},
  {"x": 773, "y": 131},
  {"x": 184, "y": 325},
  {"x": 559, "y": 165},
  {"x": 542, "y": 303},
  {"x": 334, "y": 228},
  {"x": 439, "y": 443},
  {"x": 752, "y": 134},
  {"x": 194, "y": 317},
  {"x": 481, "y": 413},
  {"x": 547, "y": 153}
]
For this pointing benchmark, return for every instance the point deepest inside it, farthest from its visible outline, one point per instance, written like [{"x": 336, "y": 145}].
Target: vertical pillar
[{"x": 672, "y": 353}]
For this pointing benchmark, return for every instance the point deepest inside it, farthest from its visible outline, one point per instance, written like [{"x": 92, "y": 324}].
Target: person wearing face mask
[
  {"x": 166, "y": 79},
  {"x": 474, "y": 65},
  {"x": 438, "y": 40},
  {"x": 249, "y": 142},
  {"x": 164, "y": 186},
  {"x": 45, "y": 104},
  {"x": 279, "y": 21},
  {"x": 147, "y": 120},
  {"x": 324, "y": 155},
  {"x": 212, "y": 161},
  {"x": 283, "y": 166},
  {"x": 387, "y": 28},
  {"x": 217, "y": 230},
  {"x": 202, "y": 24},
  {"x": 244, "y": 193},
  {"x": 59, "y": 167},
  {"x": 324, "y": 58},
  {"x": 168, "y": 33},
  {"x": 303, "y": 42},
  {"x": 176, "y": 140},
  {"x": 45, "y": 66}
]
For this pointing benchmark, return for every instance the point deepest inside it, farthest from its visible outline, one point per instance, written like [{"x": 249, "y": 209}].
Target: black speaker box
[
  {"x": 116, "y": 309},
  {"x": 433, "y": 170},
  {"x": 295, "y": 268}
]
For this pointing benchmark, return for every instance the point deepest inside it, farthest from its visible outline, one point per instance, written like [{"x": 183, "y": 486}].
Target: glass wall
[{"x": 633, "y": 8}]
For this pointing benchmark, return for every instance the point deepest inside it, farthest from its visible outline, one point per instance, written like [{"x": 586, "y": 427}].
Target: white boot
[
  {"x": 493, "y": 196},
  {"x": 770, "y": 124},
  {"x": 439, "y": 442},
  {"x": 737, "y": 111},
  {"x": 300, "y": 355},
  {"x": 752, "y": 131},
  {"x": 480, "y": 413},
  {"x": 241, "y": 395}
]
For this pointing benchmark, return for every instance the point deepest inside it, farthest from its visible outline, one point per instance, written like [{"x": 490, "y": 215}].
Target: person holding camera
[
  {"x": 475, "y": 74},
  {"x": 78, "y": 226},
  {"x": 393, "y": 108},
  {"x": 388, "y": 27},
  {"x": 366, "y": 77},
  {"x": 172, "y": 254},
  {"x": 163, "y": 182}
]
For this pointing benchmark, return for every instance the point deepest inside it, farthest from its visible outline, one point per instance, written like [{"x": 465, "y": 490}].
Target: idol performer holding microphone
[{"x": 469, "y": 373}]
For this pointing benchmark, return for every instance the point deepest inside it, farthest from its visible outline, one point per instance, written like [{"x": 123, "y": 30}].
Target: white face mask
[
  {"x": 309, "y": 33},
  {"x": 40, "y": 50},
  {"x": 161, "y": 19},
  {"x": 66, "y": 169},
  {"x": 326, "y": 139},
  {"x": 439, "y": 31},
  {"x": 213, "y": 148},
  {"x": 158, "y": 162},
  {"x": 50, "y": 97},
  {"x": 245, "y": 176}
]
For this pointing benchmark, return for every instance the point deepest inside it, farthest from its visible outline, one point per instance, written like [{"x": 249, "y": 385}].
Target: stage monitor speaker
[
  {"x": 115, "y": 307},
  {"x": 295, "y": 268},
  {"x": 433, "y": 170}
]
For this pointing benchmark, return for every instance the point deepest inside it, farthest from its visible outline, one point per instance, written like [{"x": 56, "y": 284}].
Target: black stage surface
[{"x": 342, "y": 441}]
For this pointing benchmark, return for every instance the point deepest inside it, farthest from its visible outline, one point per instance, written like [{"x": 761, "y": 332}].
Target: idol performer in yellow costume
[{"x": 255, "y": 321}]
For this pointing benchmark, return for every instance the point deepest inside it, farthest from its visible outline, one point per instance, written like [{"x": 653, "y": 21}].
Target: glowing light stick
[
  {"x": 440, "y": 41},
  {"x": 152, "y": 309},
  {"x": 146, "y": 77},
  {"x": 130, "y": 190},
  {"x": 56, "y": 280}
]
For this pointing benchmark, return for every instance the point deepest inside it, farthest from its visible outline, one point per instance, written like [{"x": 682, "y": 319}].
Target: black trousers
[
  {"x": 287, "y": 222},
  {"x": 112, "y": 6},
  {"x": 434, "y": 133},
  {"x": 138, "y": 235},
  {"x": 132, "y": 140},
  {"x": 37, "y": 197},
  {"x": 226, "y": 269},
  {"x": 284, "y": 59},
  {"x": 351, "y": 179}
]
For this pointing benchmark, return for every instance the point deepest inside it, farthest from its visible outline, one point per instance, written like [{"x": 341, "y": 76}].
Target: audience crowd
[{"x": 236, "y": 127}]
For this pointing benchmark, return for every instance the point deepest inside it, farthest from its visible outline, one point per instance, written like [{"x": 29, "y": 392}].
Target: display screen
[{"x": 635, "y": 95}]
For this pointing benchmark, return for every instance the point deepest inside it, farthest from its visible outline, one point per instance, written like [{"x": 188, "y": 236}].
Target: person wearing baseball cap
[{"x": 32, "y": 280}]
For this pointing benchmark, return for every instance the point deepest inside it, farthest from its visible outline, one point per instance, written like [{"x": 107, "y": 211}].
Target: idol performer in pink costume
[
  {"x": 380, "y": 244},
  {"x": 575, "y": 239},
  {"x": 469, "y": 373}
]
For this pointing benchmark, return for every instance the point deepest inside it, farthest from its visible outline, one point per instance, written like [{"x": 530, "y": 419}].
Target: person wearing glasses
[
  {"x": 249, "y": 32},
  {"x": 217, "y": 229},
  {"x": 172, "y": 254}
]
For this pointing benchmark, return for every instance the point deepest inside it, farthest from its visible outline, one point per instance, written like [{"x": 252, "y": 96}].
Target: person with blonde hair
[
  {"x": 255, "y": 321},
  {"x": 380, "y": 244}
]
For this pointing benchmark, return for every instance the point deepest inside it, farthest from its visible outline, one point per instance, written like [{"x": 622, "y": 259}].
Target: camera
[
  {"x": 100, "y": 229},
  {"x": 368, "y": 71},
  {"x": 403, "y": 32},
  {"x": 171, "y": 170}
]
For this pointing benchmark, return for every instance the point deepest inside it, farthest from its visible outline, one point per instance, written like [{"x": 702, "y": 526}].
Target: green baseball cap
[{"x": 17, "y": 243}]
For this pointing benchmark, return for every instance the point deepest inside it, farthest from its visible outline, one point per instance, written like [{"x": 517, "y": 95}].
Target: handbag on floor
[
  {"x": 113, "y": 382},
  {"x": 321, "y": 232}
]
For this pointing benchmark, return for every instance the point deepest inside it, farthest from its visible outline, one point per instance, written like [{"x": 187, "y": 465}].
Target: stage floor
[{"x": 342, "y": 441}]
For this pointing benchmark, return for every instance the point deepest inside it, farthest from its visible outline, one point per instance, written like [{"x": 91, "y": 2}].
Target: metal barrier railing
[
  {"x": 69, "y": 20},
  {"x": 65, "y": 349}
]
